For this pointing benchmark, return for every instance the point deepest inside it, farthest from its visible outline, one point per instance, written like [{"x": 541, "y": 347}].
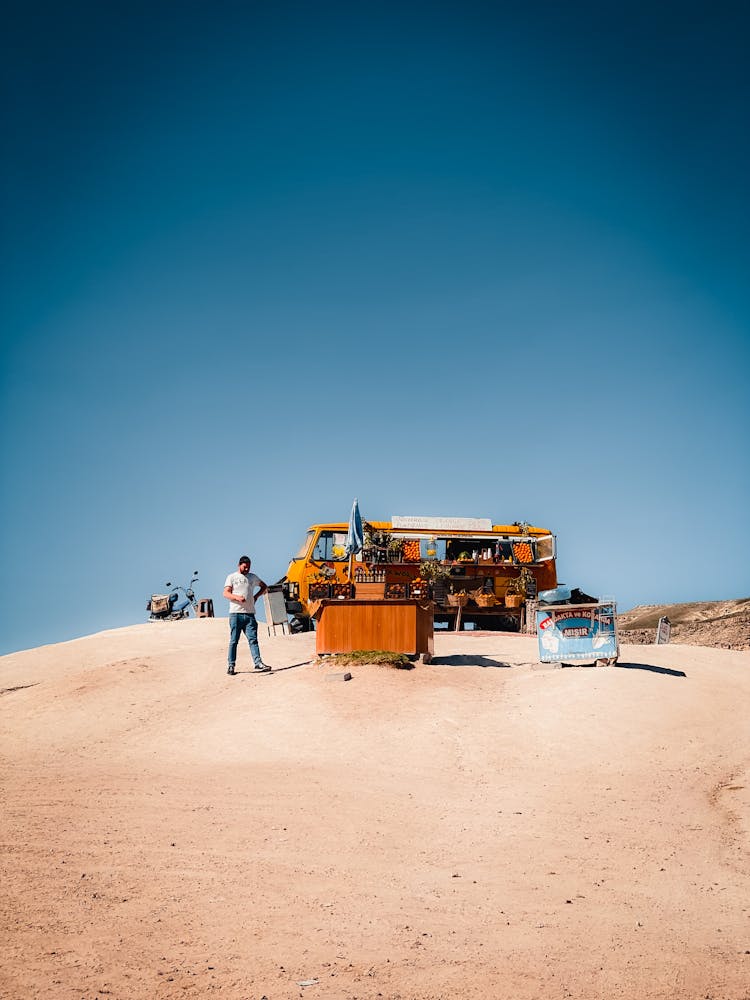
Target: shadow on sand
[
  {"x": 653, "y": 669},
  {"x": 18, "y": 687},
  {"x": 275, "y": 670},
  {"x": 467, "y": 661}
]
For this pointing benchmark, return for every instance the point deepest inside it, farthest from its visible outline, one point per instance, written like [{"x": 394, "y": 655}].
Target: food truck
[{"x": 468, "y": 568}]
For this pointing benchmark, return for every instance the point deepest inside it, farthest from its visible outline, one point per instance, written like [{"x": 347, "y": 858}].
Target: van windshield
[{"x": 303, "y": 548}]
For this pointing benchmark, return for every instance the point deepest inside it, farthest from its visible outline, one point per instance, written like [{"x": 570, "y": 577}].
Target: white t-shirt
[{"x": 244, "y": 587}]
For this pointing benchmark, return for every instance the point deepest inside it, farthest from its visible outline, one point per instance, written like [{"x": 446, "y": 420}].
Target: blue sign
[{"x": 577, "y": 632}]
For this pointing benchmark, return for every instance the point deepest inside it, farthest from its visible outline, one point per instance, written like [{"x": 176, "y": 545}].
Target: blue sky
[{"x": 450, "y": 259}]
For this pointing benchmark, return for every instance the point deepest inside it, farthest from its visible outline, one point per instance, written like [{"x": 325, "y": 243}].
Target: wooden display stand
[{"x": 399, "y": 626}]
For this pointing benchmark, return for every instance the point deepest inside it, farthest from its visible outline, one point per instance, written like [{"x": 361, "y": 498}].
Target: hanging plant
[{"x": 432, "y": 570}]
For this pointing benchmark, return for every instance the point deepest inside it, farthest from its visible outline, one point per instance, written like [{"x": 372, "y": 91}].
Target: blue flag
[{"x": 355, "y": 538}]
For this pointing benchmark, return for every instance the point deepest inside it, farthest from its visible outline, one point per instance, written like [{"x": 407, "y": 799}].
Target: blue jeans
[{"x": 238, "y": 624}]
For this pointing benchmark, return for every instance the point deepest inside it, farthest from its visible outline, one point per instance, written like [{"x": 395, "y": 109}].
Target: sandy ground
[{"x": 484, "y": 826}]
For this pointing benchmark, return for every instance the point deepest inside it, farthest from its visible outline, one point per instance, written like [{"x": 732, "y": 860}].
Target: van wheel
[{"x": 299, "y": 624}]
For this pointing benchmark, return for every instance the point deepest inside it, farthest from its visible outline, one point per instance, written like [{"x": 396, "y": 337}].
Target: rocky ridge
[{"x": 721, "y": 624}]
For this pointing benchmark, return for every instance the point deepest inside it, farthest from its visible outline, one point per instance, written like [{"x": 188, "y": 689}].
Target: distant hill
[{"x": 724, "y": 624}]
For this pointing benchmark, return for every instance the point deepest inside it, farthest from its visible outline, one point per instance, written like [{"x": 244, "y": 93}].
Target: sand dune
[{"x": 484, "y": 826}]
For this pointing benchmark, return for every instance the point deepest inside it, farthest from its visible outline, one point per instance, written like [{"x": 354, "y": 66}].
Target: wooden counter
[{"x": 398, "y": 625}]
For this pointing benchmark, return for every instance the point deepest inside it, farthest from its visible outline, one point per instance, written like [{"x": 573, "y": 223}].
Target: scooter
[{"x": 169, "y": 607}]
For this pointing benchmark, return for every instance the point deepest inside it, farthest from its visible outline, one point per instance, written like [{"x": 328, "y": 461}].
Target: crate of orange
[
  {"x": 419, "y": 588},
  {"x": 523, "y": 552},
  {"x": 411, "y": 550}
]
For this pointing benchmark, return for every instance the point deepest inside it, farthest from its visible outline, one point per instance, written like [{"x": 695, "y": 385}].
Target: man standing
[{"x": 239, "y": 590}]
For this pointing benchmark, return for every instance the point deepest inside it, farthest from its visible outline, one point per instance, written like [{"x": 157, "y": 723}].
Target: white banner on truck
[{"x": 441, "y": 523}]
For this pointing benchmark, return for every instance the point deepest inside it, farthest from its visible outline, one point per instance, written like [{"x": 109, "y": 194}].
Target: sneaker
[
  {"x": 262, "y": 668},
  {"x": 230, "y": 670}
]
